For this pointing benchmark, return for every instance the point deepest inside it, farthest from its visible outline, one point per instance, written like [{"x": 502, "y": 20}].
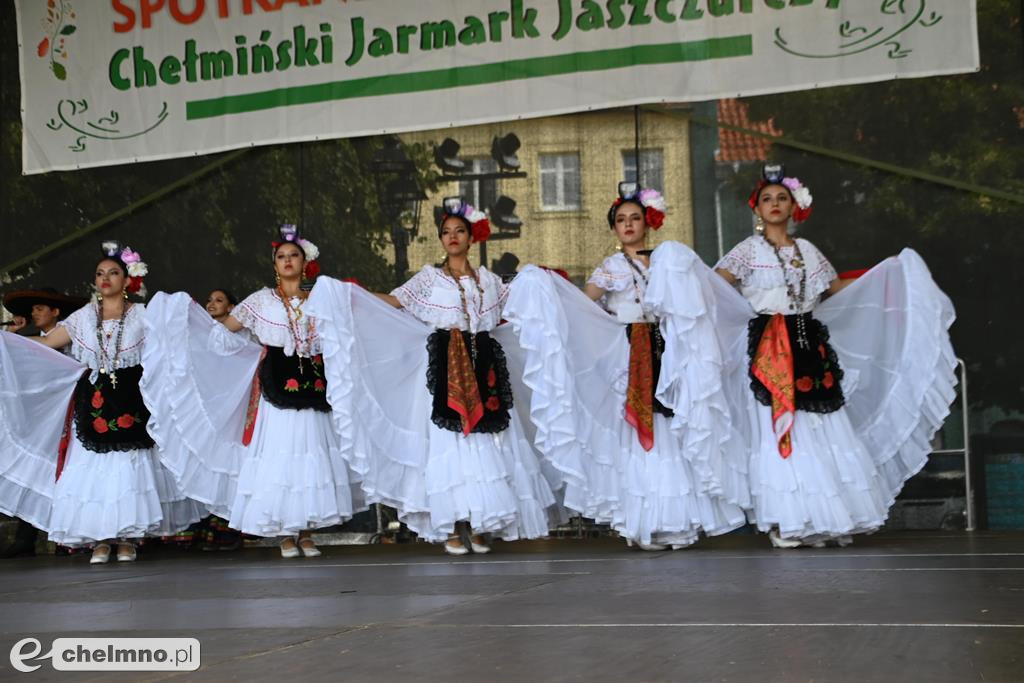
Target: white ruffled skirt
[
  {"x": 828, "y": 486},
  {"x": 492, "y": 481},
  {"x": 117, "y": 495},
  {"x": 293, "y": 476},
  {"x": 661, "y": 500}
]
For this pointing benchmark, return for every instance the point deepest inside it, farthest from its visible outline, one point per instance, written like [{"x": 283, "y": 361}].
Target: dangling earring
[
  {"x": 124, "y": 293},
  {"x": 277, "y": 278},
  {"x": 759, "y": 226},
  {"x": 99, "y": 297}
]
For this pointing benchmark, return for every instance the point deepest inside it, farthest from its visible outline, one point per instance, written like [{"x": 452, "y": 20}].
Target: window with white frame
[
  {"x": 560, "y": 182},
  {"x": 652, "y": 165},
  {"x": 480, "y": 193}
]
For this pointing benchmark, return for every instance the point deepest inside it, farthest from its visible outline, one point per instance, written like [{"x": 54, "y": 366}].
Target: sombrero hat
[{"x": 21, "y": 301}]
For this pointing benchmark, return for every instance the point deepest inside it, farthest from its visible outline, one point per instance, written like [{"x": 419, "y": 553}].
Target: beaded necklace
[
  {"x": 447, "y": 269},
  {"x": 294, "y": 315},
  {"x": 634, "y": 271},
  {"x": 107, "y": 363},
  {"x": 796, "y": 299}
]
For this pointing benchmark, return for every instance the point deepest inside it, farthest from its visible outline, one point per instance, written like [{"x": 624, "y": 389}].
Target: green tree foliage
[{"x": 969, "y": 127}]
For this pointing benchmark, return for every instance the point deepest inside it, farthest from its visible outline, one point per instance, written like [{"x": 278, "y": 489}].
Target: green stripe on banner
[{"x": 482, "y": 74}]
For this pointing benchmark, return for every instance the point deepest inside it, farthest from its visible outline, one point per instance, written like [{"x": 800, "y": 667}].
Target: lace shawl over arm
[
  {"x": 739, "y": 261},
  {"x": 820, "y": 272},
  {"x": 416, "y": 293}
]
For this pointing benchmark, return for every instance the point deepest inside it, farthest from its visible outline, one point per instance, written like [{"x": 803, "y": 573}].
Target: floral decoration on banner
[{"x": 58, "y": 27}]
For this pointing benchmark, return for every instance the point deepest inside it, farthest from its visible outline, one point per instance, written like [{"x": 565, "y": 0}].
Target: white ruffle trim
[
  {"x": 690, "y": 384},
  {"x": 127, "y": 494},
  {"x": 387, "y": 458},
  {"x": 196, "y": 447},
  {"x": 661, "y": 493},
  {"x": 569, "y": 437},
  {"x": 902, "y": 424},
  {"x": 36, "y": 386},
  {"x": 293, "y": 476},
  {"x": 829, "y": 484}
]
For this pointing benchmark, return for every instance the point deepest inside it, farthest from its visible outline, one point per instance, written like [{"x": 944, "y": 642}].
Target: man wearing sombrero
[{"x": 44, "y": 308}]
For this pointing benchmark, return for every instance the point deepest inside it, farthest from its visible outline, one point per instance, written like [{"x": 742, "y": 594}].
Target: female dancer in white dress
[
  {"x": 645, "y": 444},
  {"x": 663, "y": 500},
  {"x": 425, "y": 397},
  {"x": 288, "y": 476},
  {"x": 838, "y": 421},
  {"x": 110, "y": 486}
]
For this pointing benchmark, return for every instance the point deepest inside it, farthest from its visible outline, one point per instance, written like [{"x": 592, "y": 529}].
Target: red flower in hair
[
  {"x": 481, "y": 230},
  {"x": 99, "y": 425},
  {"x": 134, "y": 284},
  {"x": 97, "y": 400},
  {"x": 492, "y": 403},
  {"x": 804, "y": 384},
  {"x": 800, "y": 215},
  {"x": 653, "y": 218},
  {"x": 125, "y": 421},
  {"x": 312, "y": 270}
]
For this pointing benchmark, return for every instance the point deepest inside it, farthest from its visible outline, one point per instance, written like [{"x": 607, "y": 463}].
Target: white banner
[{"x": 115, "y": 81}]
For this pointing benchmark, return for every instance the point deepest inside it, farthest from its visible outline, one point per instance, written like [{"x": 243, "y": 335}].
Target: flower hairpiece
[
  {"x": 479, "y": 224},
  {"x": 290, "y": 233},
  {"x": 137, "y": 268},
  {"x": 776, "y": 175},
  {"x": 650, "y": 199}
]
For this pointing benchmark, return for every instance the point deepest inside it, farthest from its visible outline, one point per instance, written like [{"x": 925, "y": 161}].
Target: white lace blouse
[
  {"x": 264, "y": 315},
  {"x": 623, "y": 285},
  {"x": 763, "y": 280},
  {"x": 433, "y": 297},
  {"x": 81, "y": 327}
]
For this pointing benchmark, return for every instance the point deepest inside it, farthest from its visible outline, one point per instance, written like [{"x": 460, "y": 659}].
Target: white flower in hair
[
  {"x": 474, "y": 215},
  {"x": 309, "y": 249},
  {"x": 138, "y": 269},
  {"x": 110, "y": 248},
  {"x": 802, "y": 197},
  {"x": 653, "y": 199}
]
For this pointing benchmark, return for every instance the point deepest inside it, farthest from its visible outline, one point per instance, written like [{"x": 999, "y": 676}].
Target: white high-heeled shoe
[{"x": 780, "y": 542}]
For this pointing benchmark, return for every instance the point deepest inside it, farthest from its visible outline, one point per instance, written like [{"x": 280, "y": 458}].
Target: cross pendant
[{"x": 113, "y": 379}]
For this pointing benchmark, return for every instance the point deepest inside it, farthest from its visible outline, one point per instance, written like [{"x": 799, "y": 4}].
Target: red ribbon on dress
[
  {"x": 640, "y": 393},
  {"x": 65, "y": 437},
  {"x": 254, "y": 403},
  {"x": 463, "y": 391},
  {"x": 773, "y": 365}
]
